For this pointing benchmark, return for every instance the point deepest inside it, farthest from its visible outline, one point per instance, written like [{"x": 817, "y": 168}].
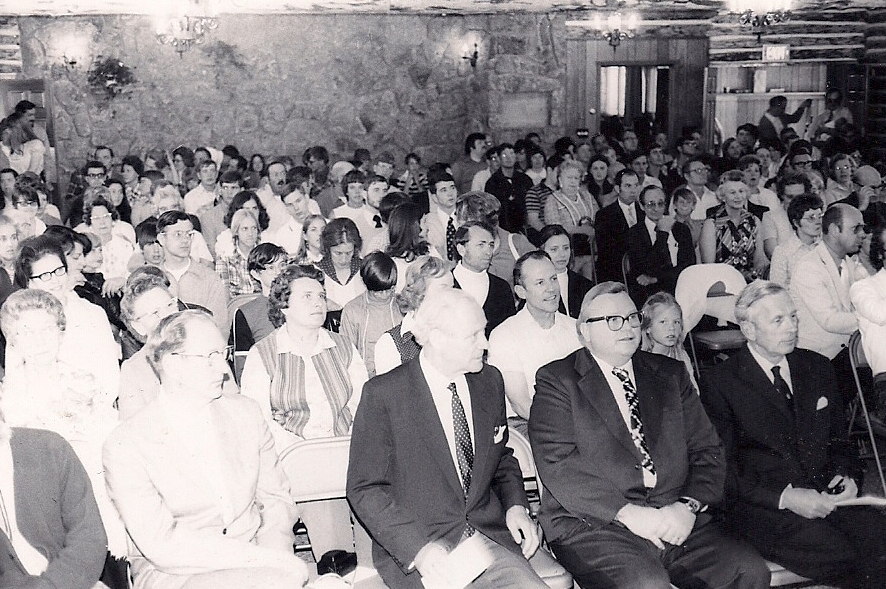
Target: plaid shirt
[{"x": 234, "y": 273}]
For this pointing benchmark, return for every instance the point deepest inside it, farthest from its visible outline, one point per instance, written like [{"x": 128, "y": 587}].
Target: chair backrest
[
  {"x": 856, "y": 352},
  {"x": 523, "y": 453},
  {"x": 317, "y": 469},
  {"x": 693, "y": 286}
]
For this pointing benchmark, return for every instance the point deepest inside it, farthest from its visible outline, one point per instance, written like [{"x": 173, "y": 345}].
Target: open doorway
[{"x": 637, "y": 94}]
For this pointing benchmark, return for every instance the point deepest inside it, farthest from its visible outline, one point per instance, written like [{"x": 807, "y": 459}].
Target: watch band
[{"x": 694, "y": 505}]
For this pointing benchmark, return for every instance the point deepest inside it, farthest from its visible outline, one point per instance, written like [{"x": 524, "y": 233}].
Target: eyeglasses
[
  {"x": 181, "y": 234},
  {"x": 172, "y": 305},
  {"x": 226, "y": 354},
  {"x": 843, "y": 168},
  {"x": 100, "y": 217},
  {"x": 95, "y": 175},
  {"x": 812, "y": 217},
  {"x": 616, "y": 322},
  {"x": 26, "y": 205},
  {"x": 803, "y": 162},
  {"x": 47, "y": 276},
  {"x": 656, "y": 204},
  {"x": 703, "y": 170}
]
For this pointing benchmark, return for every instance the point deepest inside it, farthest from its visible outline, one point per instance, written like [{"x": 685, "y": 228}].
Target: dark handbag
[{"x": 337, "y": 561}]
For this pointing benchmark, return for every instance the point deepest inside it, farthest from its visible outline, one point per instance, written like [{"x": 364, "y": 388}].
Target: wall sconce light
[
  {"x": 614, "y": 29},
  {"x": 186, "y": 25},
  {"x": 471, "y": 57}
]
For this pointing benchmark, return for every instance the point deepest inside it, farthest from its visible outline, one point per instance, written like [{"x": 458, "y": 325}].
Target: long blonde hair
[{"x": 653, "y": 305}]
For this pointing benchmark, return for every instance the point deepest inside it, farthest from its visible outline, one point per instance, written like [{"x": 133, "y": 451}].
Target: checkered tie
[
  {"x": 463, "y": 448},
  {"x": 636, "y": 425},
  {"x": 450, "y": 240}
]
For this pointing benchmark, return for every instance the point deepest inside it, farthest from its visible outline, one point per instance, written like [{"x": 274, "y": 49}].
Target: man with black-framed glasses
[{"x": 630, "y": 462}]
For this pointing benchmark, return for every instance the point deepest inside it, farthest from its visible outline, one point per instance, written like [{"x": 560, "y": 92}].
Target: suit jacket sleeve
[
  {"x": 507, "y": 482},
  {"x": 79, "y": 563},
  {"x": 370, "y": 482},
  {"x": 171, "y": 547},
  {"x": 571, "y": 478},
  {"x": 811, "y": 282}
]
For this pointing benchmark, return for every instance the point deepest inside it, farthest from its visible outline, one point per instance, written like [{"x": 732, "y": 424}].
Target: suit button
[{"x": 225, "y": 532}]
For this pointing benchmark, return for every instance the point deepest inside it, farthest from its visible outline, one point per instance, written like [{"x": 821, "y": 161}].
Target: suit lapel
[
  {"x": 425, "y": 413},
  {"x": 482, "y": 429},
  {"x": 650, "y": 402},
  {"x": 759, "y": 383},
  {"x": 595, "y": 388},
  {"x": 834, "y": 274}
]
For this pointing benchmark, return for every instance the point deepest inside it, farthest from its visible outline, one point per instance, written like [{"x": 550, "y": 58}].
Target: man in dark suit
[
  {"x": 475, "y": 246},
  {"x": 781, "y": 419},
  {"x": 612, "y": 224},
  {"x": 630, "y": 463},
  {"x": 658, "y": 248},
  {"x": 429, "y": 466},
  {"x": 509, "y": 185}
]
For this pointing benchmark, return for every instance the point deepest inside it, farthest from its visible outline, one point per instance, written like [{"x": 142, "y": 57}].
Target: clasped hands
[
  {"x": 671, "y": 523},
  {"x": 813, "y": 504}
]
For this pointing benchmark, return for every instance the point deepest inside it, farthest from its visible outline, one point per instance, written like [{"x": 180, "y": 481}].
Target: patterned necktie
[
  {"x": 464, "y": 450},
  {"x": 377, "y": 219},
  {"x": 450, "y": 240},
  {"x": 636, "y": 425},
  {"x": 781, "y": 384}
]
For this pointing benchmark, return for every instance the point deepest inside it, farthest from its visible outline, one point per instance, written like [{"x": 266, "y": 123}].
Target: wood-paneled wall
[{"x": 687, "y": 58}]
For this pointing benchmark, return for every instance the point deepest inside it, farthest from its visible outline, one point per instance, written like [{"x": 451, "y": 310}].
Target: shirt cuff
[{"x": 781, "y": 498}]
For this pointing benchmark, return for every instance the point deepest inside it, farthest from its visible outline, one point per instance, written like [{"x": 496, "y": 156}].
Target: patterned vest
[
  {"x": 289, "y": 406},
  {"x": 406, "y": 345}
]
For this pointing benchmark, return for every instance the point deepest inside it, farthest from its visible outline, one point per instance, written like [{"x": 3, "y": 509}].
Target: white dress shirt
[
  {"x": 651, "y": 227},
  {"x": 618, "y": 393},
  {"x": 442, "y": 397}
]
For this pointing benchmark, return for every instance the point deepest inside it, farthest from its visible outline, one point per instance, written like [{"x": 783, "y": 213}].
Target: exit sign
[{"x": 776, "y": 52}]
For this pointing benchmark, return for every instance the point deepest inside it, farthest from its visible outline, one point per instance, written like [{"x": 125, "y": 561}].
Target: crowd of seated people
[{"x": 123, "y": 304}]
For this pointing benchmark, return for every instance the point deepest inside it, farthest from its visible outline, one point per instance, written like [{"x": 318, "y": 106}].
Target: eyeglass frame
[
  {"x": 46, "y": 276},
  {"x": 612, "y": 319},
  {"x": 227, "y": 354}
]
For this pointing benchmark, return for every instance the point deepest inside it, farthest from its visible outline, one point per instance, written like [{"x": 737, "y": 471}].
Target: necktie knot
[
  {"x": 377, "y": 219},
  {"x": 780, "y": 383},
  {"x": 622, "y": 374}
]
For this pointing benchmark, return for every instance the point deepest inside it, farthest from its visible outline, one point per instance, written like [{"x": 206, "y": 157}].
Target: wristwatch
[{"x": 693, "y": 505}]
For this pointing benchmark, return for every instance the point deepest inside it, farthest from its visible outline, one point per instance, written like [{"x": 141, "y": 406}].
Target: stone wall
[{"x": 277, "y": 84}]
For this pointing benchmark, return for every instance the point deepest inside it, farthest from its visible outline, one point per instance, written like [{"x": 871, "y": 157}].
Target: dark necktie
[
  {"x": 781, "y": 384},
  {"x": 636, "y": 424},
  {"x": 450, "y": 240},
  {"x": 377, "y": 219},
  {"x": 464, "y": 450}
]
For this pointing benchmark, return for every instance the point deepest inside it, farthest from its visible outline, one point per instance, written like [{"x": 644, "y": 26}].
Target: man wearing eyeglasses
[
  {"x": 630, "y": 462},
  {"x": 696, "y": 173},
  {"x": 192, "y": 281},
  {"x": 145, "y": 303},
  {"x": 820, "y": 283},
  {"x": 659, "y": 248},
  {"x": 194, "y": 474}
]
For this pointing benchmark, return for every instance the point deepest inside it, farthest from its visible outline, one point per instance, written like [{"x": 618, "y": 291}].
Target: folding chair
[
  {"x": 551, "y": 572},
  {"x": 857, "y": 360},
  {"x": 240, "y": 350},
  {"x": 710, "y": 289}
]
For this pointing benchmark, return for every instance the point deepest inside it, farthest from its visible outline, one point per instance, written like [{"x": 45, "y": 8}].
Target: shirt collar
[
  {"x": 766, "y": 365},
  {"x": 285, "y": 345}
]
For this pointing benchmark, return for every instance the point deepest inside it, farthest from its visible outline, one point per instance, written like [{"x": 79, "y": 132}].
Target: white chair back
[
  {"x": 694, "y": 284},
  {"x": 317, "y": 469}
]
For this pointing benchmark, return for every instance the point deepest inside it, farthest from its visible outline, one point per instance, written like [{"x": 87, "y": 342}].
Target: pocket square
[
  {"x": 822, "y": 403},
  {"x": 499, "y": 433}
]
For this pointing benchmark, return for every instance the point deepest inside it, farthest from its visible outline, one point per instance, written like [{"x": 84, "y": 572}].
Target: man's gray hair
[
  {"x": 604, "y": 288},
  {"x": 748, "y": 297},
  {"x": 438, "y": 310},
  {"x": 169, "y": 337}
]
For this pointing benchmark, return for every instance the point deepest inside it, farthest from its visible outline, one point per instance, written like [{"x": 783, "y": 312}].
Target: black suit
[
  {"x": 511, "y": 193},
  {"x": 612, "y": 242},
  {"x": 771, "y": 444},
  {"x": 577, "y": 286},
  {"x": 499, "y": 303},
  {"x": 402, "y": 481},
  {"x": 654, "y": 259},
  {"x": 590, "y": 469}
]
